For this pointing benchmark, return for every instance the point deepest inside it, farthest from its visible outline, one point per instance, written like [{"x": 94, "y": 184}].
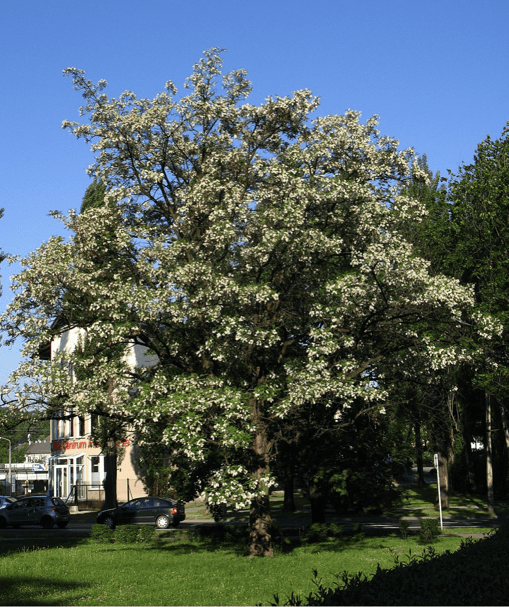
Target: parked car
[
  {"x": 157, "y": 511},
  {"x": 5, "y": 501},
  {"x": 35, "y": 510}
]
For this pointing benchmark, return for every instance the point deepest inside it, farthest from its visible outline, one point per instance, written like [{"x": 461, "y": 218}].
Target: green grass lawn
[
  {"x": 183, "y": 569},
  {"x": 187, "y": 572},
  {"x": 420, "y": 501}
]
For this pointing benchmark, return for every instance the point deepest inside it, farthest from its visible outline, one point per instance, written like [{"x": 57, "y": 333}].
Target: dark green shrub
[
  {"x": 475, "y": 574},
  {"x": 146, "y": 533},
  {"x": 101, "y": 534},
  {"x": 210, "y": 532},
  {"x": 403, "y": 528},
  {"x": 222, "y": 533},
  {"x": 357, "y": 528},
  {"x": 276, "y": 531},
  {"x": 429, "y": 530},
  {"x": 126, "y": 534},
  {"x": 336, "y": 530},
  {"x": 317, "y": 532}
]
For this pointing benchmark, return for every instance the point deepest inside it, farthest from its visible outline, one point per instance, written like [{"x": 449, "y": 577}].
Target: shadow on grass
[
  {"x": 34, "y": 539},
  {"x": 37, "y": 590},
  {"x": 281, "y": 544}
]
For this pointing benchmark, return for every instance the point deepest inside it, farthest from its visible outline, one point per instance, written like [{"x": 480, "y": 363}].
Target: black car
[{"x": 157, "y": 511}]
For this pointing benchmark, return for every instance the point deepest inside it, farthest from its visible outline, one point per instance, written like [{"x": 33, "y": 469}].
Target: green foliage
[
  {"x": 18, "y": 433},
  {"x": 351, "y": 462},
  {"x": 102, "y": 534},
  {"x": 431, "y": 237},
  {"x": 475, "y": 574},
  {"x": 429, "y": 530},
  {"x": 233, "y": 535},
  {"x": 403, "y": 527},
  {"x": 479, "y": 200},
  {"x": 146, "y": 533},
  {"x": 126, "y": 534},
  {"x": 317, "y": 532},
  {"x": 336, "y": 530},
  {"x": 123, "y": 534},
  {"x": 94, "y": 196}
]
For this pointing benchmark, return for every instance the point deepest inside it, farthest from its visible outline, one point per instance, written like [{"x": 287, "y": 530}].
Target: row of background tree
[{"x": 466, "y": 236}]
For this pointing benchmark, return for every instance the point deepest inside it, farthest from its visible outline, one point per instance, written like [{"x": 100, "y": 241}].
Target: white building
[{"x": 75, "y": 460}]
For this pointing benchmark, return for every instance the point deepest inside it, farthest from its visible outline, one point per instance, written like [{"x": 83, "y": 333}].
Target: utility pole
[{"x": 10, "y": 465}]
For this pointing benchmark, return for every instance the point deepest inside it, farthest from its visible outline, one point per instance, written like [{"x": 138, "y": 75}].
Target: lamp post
[{"x": 10, "y": 466}]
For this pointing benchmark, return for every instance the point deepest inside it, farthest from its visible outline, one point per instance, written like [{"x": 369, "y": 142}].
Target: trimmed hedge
[
  {"x": 124, "y": 534},
  {"x": 475, "y": 574}
]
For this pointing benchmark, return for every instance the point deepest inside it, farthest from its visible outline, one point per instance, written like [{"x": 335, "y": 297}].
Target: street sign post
[{"x": 436, "y": 462}]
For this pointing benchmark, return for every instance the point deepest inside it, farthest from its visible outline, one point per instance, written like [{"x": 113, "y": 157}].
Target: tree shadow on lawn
[
  {"x": 21, "y": 540},
  {"x": 41, "y": 591},
  {"x": 282, "y": 545}
]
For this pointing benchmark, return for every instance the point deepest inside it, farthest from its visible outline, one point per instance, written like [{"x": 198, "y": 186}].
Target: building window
[
  {"x": 95, "y": 475},
  {"x": 81, "y": 426},
  {"x": 94, "y": 422}
]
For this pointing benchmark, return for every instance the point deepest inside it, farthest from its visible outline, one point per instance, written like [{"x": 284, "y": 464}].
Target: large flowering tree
[{"x": 257, "y": 253}]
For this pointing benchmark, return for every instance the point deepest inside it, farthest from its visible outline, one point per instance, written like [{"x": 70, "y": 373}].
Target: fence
[{"x": 91, "y": 495}]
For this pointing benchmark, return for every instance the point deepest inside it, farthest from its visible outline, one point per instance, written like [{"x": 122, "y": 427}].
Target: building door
[{"x": 61, "y": 484}]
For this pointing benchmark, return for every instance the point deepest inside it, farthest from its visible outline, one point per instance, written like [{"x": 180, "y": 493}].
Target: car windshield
[{"x": 57, "y": 501}]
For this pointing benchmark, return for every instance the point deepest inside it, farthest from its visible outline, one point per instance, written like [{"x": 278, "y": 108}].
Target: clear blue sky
[{"x": 436, "y": 72}]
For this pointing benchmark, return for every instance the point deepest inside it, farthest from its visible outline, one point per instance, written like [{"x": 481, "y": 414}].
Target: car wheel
[
  {"x": 3, "y": 522},
  {"x": 163, "y": 522},
  {"x": 109, "y": 521},
  {"x": 47, "y": 522},
  {"x": 62, "y": 525}
]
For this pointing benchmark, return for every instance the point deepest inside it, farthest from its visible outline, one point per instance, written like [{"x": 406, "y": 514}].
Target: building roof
[{"x": 40, "y": 447}]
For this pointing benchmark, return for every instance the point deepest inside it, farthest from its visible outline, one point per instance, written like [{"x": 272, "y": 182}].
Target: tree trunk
[
  {"x": 260, "y": 521},
  {"x": 110, "y": 480},
  {"x": 317, "y": 501},
  {"x": 418, "y": 455},
  {"x": 450, "y": 461},
  {"x": 466, "y": 433},
  {"x": 288, "y": 501},
  {"x": 489, "y": 457},
  {"x": 444, "y": 481},
  {"x": 443, "y": 471},
  {"x": 505, "y": 426}
]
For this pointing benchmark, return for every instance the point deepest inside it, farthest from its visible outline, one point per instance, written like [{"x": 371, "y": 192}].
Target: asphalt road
[{"x": 80, "y": 529}]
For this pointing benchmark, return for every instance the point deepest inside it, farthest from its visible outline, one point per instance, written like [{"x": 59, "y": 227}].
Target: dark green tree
[{"x": 479, "y": 196}]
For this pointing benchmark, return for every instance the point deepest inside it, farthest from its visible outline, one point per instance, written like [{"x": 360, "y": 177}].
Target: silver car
[
  {"x": 35, "y": 510},
  {"x": 5, "y": 501}
]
